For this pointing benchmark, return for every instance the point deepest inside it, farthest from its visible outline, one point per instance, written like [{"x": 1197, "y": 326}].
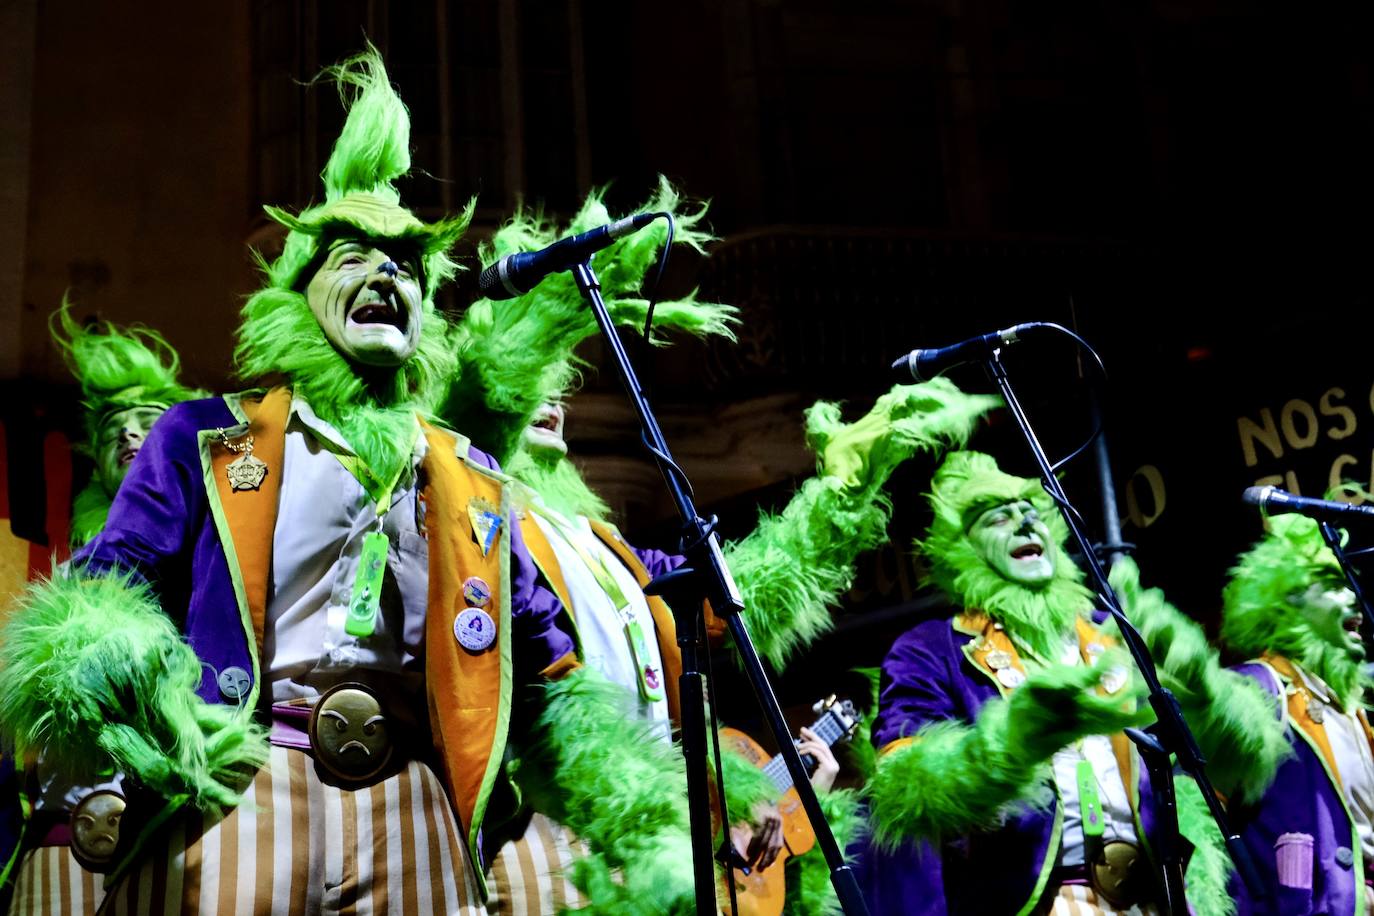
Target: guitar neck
[{"x": 828, "y": 729}]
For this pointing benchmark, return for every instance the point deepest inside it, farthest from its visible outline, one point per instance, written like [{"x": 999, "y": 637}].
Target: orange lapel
[{"x": 252, "y": 514}]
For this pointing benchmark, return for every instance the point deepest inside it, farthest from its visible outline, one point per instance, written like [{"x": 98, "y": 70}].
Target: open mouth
[
  {"x": 549, "y": 419},
  {"x": 1028, "y": 552},
  {"x": 127, "y": 456},
  {"x": 1351, "y": 624},
  {"x": 380, "y": 312}
]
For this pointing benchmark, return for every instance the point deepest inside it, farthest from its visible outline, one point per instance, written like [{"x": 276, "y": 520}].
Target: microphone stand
[
  {"x": 1170, "y": 733},
  {"x": 705, "y": 576},
  {"x": 1332, "y": 535}
]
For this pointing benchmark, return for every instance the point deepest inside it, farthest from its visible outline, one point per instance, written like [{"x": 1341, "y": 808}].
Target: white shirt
[
  {"x": 600, "y": 625},
  {"x": 1111, "y": 791},
  {"x": 322, "y": 516},
  {"x": 1350, "y": 746}
]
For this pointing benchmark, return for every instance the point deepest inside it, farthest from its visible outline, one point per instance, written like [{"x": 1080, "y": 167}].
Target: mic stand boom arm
[
  {"x": 1332, "y": 536},
  {"x": 1170, "y": 733},
  {"x": 705, "y": 576}
]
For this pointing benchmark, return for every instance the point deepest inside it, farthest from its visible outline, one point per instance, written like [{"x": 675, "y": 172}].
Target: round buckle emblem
[
  {"x": 95, "y": 829},
  {"x": 348, "y": 733}
]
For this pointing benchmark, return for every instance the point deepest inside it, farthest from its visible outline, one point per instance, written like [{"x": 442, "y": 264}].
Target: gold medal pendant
[{"x": 245, "y": 472}]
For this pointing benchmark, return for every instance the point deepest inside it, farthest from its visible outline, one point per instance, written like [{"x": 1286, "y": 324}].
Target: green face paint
[
  {"x": 367, "y": 302},
  {"x": 1013, "y": 540},
  {"x": 121, "y": 435},
  {"x": 1328, "y": 609}
]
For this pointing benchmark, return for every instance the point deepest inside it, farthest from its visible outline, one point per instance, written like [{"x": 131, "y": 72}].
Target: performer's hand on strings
[
  {"x": 827, "y": 767},
  {"x": 763, "y": 840}
]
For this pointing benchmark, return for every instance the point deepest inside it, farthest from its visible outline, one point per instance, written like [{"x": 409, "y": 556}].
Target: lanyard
[
  {"x": 647, "y": 676},
  {"x": 367, "y": 583}
]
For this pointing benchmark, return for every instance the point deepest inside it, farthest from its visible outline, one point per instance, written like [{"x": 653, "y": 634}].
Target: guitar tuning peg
[{"x": 822, "y": 705}]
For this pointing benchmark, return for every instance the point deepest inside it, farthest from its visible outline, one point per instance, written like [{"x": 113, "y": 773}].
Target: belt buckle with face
[
  {"x": 95, "y": 829},
  {"x": 348, "y": 733},
  {"x": 1115, "y": 873}
]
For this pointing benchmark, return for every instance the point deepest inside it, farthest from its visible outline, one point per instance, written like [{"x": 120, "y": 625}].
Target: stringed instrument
[{"x": 761, "y": 893}]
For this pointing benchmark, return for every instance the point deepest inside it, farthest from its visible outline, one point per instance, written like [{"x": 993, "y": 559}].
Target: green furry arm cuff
[
  {"x": 592, "y": 765},
  {"x": 95, "y": 677},
  {"x": 951, "y": 779},
  {"x": 1210, "y": 868},
  {"x": 955, "y": 777},
  {"x": 809, "y": 891},
  {"x": 906, "y": 420},
  {"x": 1233, "y": 718},
  {"x": 745, "y": 786},
  {"x": 795, "y": 563}
]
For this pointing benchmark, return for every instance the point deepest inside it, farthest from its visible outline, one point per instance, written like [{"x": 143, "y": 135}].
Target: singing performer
[
  {"x": 310, "y": 629},
  {"x": 789, "y": 569},
  {"x": 1004, "y": 783},
  {"x": 1311, "y": 836}
]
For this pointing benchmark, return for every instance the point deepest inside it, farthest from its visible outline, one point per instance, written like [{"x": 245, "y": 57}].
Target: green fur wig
[
  {"x": 1210, "y": 867},
  {"x": 966, "y": 485},
  {"x": 1258, "y": 613},
  {"x": 518, "y": 354},
  {"x": 96, "y": 679},
  {"x": 118, "y": 369},
  {"x": 280, "y": 337}
]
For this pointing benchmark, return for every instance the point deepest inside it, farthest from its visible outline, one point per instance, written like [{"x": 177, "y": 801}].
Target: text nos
[{"x": 1300, "y": 425}]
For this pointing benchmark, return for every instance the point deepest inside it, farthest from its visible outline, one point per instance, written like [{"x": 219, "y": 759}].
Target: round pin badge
[
  {"x": 476, "y": 592},
  {"x": 1115, "y": 679},
  {"x": 997, "y": 659},
  {"x": 474, "y": 629},
  {"x": 1011, "y": 678}
]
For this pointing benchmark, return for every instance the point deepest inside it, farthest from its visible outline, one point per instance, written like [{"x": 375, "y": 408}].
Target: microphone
[
  {"x": 1274, "y": 501},
  {"x": 924, "y": 365},
  {"x": 516, "y": 274}
]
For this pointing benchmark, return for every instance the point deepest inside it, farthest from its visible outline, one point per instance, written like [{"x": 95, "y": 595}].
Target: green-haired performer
[
  {"x": 320, "y": 564},
  {"x": 789, "y": 569},
  {"x": 1004, "y": 783},
  {"x": 128, "y": 378},
  {"x": 1311, "y": 836}
]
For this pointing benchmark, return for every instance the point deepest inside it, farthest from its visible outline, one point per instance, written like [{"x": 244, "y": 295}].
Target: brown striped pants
[
  {"x": 1082, "y": 900},
  {"x": 295, "y": 846},
  {"x": 527, "y": 876}
]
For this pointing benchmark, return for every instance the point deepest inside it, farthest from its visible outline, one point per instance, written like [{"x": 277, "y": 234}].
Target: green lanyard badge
[
  {"x": 367, "y": 585},
  {"x": 646, "y": 676}
]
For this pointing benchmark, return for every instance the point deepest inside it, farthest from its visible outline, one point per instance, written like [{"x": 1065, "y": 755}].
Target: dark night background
[{"x": 1186, "y": 184}]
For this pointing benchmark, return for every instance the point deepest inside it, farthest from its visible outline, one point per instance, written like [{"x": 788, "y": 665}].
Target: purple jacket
[
  {"x": 161, "y": 529},
  {"x": 928, "y": 677},
  {"x": 1303, "y": 799}
]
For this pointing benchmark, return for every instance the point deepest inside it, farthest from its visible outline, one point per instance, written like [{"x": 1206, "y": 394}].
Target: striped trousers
[
  {"x": 295, "y": 846},
  {"x": 1082, "y": 900},
  {"x": 527, "y": 876}
]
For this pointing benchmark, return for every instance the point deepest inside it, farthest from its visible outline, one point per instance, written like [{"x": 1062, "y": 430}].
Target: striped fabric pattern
[
  {"x": 1082, "y": 900},
  {"x": 527, "y": 877},
  {"x": 296, "y": 846},
  {"x": 51, "y": 882}
]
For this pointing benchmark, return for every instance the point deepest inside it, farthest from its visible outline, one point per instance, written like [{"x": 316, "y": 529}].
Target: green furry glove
[
  {"x": 905, "y": 420},
  {"x": 1233, "y": 718},
  {"x": 955, "y": 777},
  {"x": 593, "y": 765},
  {"x": 96, "y": 679},
  {"x": 798, "y": 562}
]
